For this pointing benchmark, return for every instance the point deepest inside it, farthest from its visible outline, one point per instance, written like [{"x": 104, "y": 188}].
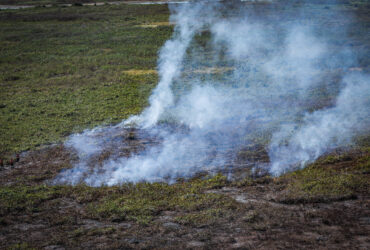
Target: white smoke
[
  {"x": 323, "y": 130},
  {"x": 189, "y": 20},
  {"x": 266, "y": 74}
]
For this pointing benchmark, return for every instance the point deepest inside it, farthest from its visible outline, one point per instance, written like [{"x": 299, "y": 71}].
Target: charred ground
[{"x": 323, "y": 205}]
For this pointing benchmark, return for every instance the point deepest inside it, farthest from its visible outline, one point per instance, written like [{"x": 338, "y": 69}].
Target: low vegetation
[
  {"x": 333, "y": 177},
  {"x": 42, "y": 3},
  {"x": 208, "y": 210},
  {"x": 63, "y": 70},
  {"x": 128, "y": 202}
]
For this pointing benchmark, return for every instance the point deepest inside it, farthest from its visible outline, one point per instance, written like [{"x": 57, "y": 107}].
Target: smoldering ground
[{"x": 234, "y": 75}]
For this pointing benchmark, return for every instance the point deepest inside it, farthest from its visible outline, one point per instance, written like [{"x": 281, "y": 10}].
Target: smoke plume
[{"x": 233, "y": 77}]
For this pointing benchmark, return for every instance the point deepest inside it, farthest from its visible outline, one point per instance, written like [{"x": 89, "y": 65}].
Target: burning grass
[
  {"x": 213, "y": 210},
  {"x": 67, "y": 69},
  {"x": 95, "y": 84}
]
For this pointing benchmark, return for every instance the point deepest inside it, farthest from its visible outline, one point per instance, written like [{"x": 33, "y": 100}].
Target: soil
[{"x": 264, "y": 221}]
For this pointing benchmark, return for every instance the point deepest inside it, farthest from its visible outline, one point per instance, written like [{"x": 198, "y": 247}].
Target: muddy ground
[{"x": 261, "y": 213}]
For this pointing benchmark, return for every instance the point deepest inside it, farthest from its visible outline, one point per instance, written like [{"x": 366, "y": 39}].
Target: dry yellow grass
[
  {"x": 140, "y": 71},
  {"x": 155, "y": 24},
  {"x": 206, "y": 70},
  {"x": 213, "y": 70},
  {"x": 106, "y": 50}
]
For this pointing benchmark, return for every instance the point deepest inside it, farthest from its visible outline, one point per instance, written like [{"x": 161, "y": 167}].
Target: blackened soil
[{"x": 263, "y": 220}]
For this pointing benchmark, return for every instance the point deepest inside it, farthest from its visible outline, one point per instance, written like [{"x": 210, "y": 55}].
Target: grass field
[
  {"x": 56, "y": 2},
  {"x": 63, "y": 70}
]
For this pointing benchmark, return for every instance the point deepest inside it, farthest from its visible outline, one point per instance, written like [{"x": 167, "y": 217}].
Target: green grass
[
  {"x": 62, "y": 69},
  {"x": 140, "y": 202},
  {"x": 44, "y": 2},
  {"x": 21, "y": 246},
  {"x": 25, "y": 198},
  {"x": 143, "y": 201},
  {"x": 333, "y": 177}
]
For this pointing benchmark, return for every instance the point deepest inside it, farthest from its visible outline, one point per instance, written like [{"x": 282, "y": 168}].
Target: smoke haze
[{"x": 227, "y": 77}]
